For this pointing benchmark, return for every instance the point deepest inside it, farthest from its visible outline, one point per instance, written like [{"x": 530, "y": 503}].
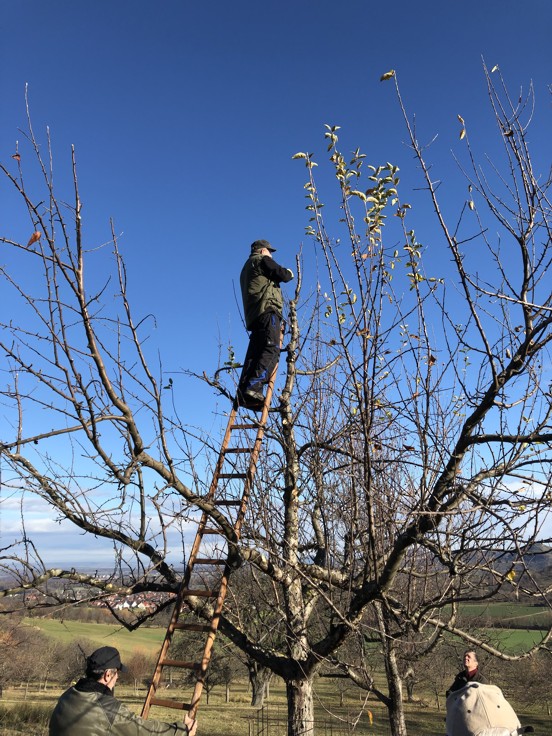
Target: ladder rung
[
  {"x": 227, "y": 502},
  {"x": 180, "y": 663},
  {"x": 170, "y": 704},
  {"x": 209, "y": 561},
  {"x": 204, "y": 628},
  {"x": 240, "y": 476},
  {"x": 237, "y": 450},
  {"x": 202, "y": 593},
  {"x": 244, "y": 426}
]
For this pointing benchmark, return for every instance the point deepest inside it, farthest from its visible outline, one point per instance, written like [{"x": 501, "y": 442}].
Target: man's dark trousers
[{"x": 262, "y": 354}]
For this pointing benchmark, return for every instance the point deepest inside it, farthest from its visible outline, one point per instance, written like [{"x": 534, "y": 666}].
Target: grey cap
[{"x": 260, "y": 244}]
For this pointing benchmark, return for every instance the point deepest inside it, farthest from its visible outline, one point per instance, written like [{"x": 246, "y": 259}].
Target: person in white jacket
[{"x": 478, "y": 709}]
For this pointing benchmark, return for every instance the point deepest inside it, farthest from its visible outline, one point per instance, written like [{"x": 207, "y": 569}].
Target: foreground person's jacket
[{"x": 90, "y": 709}]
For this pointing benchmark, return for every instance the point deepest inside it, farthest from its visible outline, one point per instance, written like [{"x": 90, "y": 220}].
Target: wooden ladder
[{"x": 222, "y": 492}]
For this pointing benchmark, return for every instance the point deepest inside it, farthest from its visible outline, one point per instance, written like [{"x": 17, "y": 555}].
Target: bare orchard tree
[
  {"x": 139, "y": 668},
  {"x": 409, "y": 468},
  {"x": 406, "y": 467},
  {"x": 84, "y": 427}
]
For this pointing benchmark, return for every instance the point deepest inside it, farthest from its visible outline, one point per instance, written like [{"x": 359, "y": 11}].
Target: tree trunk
[
  {"x": 300, "y": 708},
  {"x": 259, "y": 679},
  {"x": 409, "y": 681},
  {"x": 394, "y": 703}
]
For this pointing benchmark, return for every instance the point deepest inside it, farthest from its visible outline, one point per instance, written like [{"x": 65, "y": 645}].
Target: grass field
[
  {"x": 237, "y": 718},
  {"x": 147, "y": 640},
  {"x": 509, "y": 614},
  {"x": 515, "y": 640}
]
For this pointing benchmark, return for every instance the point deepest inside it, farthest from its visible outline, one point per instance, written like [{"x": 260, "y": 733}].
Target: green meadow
[
  {"x": 358, "y": 714},
  {"x": 147, "y": 640},
  {"x": 338, "y": 704},
  {"x": 508, "y": 613}
]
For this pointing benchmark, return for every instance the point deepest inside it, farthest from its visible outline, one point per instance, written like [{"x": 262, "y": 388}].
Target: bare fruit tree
[
  {"x": 76, "y": 379},
  {"x": 405, "y": 469},
  {"x": 411, "y": 463}
]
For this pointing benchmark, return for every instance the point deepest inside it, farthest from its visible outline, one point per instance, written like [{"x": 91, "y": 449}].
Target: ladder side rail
[
  {"x": 210, "y": 640},
  {"x": 255, "y": 452},
  {"x": 198, "y": 688},
  {"x": 177, "y": 607},
  {"x": 223, "y": 588},
  {"x": 221, "y": 457}
]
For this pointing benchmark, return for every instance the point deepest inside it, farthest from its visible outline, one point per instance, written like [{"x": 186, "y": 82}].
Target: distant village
[
  {"x": 62, "y": 591},
  {"x": 147, "y": 602}
]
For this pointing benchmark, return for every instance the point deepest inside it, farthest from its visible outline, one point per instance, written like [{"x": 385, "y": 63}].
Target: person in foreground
[
  {"x": 89, "y": 708},
  {"x": 479, "y": 709},
  {"x": 260, "y": 281},
  {"x": 476, "y": 708},
  {"x": 470, "y": 673}
]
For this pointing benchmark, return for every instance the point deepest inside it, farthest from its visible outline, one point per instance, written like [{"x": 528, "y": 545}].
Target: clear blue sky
[{"x": 185, "y": 116}]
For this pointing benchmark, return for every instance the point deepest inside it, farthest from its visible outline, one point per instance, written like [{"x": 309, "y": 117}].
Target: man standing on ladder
[{"x": 262, "y": 305}]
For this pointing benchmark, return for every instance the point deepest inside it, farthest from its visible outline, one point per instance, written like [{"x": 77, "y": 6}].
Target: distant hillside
[{"x": 537, "y": 558}]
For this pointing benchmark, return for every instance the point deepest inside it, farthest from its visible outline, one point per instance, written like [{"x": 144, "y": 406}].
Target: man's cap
[
  {"x": 260, "y": 244},
  {"x": 105, "y": 658}
]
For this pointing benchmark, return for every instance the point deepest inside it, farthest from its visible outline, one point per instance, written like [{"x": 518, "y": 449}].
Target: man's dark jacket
[
  {"x": 260, "y": 280},
  {"x": 90, "y": 709},
  {"x": 462, "y": 679}
]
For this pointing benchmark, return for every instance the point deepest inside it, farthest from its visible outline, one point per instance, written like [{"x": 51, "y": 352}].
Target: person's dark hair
[{"x": 93, "y": 673}]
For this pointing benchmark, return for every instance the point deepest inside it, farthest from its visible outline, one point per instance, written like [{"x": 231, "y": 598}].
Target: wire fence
[{"x": 272, "y": 721}]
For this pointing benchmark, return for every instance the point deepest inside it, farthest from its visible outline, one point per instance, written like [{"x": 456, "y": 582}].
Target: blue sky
[{"x": 185, "y": 117}]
